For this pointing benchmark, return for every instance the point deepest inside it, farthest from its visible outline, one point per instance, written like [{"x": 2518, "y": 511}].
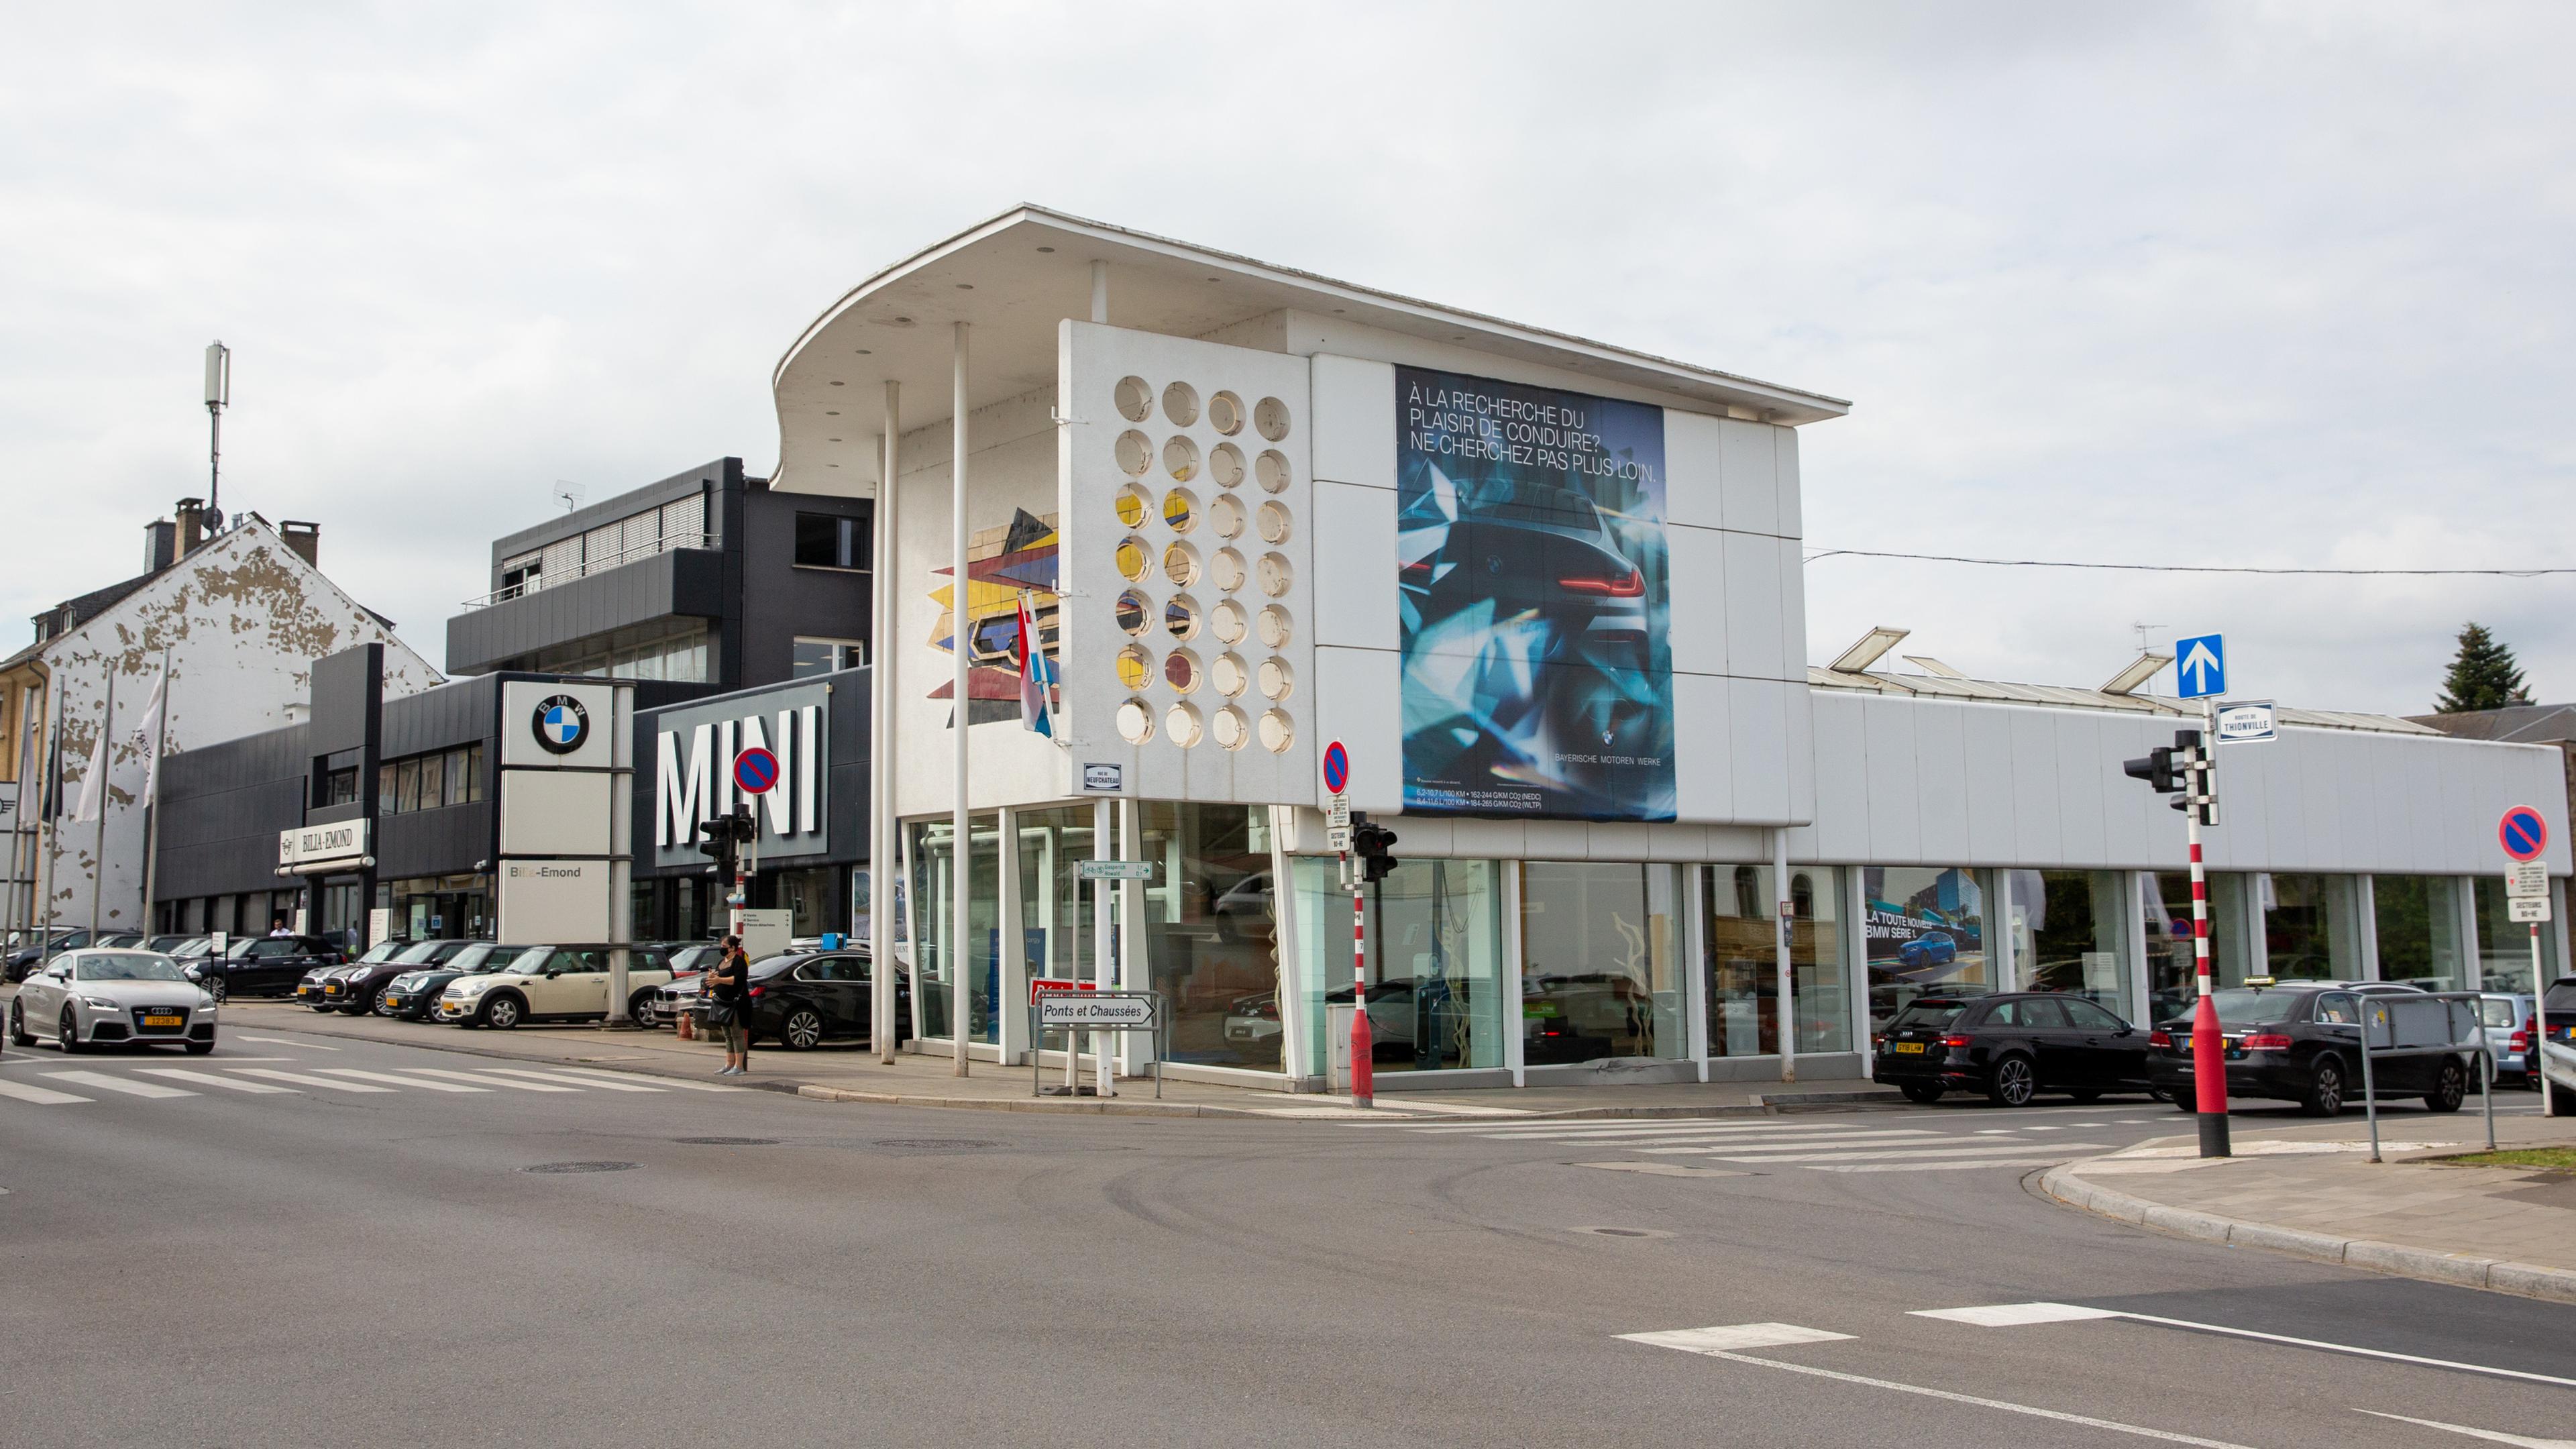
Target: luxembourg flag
[{"x": 1037, "y": 677}]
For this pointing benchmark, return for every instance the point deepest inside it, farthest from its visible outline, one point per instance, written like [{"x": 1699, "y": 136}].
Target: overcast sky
[{"x": 2238, "y": 283}]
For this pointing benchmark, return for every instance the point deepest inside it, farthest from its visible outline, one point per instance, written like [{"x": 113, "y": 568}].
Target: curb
[
  {"x": 2558, "y": 1285},
  {"x": 1769, "y": 1104}
]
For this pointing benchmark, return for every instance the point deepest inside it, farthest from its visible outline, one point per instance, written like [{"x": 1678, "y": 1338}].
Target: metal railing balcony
[{"x": 668, "y": 543}]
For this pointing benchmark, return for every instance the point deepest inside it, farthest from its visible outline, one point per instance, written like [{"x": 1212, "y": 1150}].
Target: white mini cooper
[{"x": 553, "y": 983}]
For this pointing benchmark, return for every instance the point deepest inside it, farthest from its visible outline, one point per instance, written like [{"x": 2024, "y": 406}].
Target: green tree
[{"x": 2482, "y": 676}]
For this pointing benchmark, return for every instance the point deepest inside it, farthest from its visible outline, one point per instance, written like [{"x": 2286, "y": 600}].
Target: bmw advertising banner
[{"x": 1535, "y": 603}]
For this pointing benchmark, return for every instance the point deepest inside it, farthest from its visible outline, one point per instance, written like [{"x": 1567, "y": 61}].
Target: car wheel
[
  {"x": 2325, "y": 1087},
  {"x": 374, "y": 1003},
  {"x": 639, "y": 1008},
  {"x": 216, "y": 988},
  {"x": 2012, "y": 1083},
  {"x": 802, "y": 1030},
  {"x": 2450, "y": 1088},
  {"x": 18, "y": 1026},
  {"x": 67, "y": 1033},
  {"x": 200, "y": 1048},
  {"x": 499, "y": 1012},
  {"x": 1916, "y": 1092}
]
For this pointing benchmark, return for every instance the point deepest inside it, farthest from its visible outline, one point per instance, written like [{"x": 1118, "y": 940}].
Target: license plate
[
  {"x": 165, "y": 1021},
  {"x": 395, "y": 1001},
  {"x": 1906, "y": 1048}
]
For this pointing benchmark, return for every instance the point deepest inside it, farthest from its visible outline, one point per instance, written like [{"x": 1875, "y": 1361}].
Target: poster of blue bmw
[{"x": 1532, "y": 570}]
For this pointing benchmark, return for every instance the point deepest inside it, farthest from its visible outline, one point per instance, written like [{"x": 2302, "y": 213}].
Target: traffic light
[
  {"x": 2157, "y": 769},
  {"x": 2183, "y": 770},
  {"x": 1375, "y": 846},
  {"x": 720, "y": 837}
]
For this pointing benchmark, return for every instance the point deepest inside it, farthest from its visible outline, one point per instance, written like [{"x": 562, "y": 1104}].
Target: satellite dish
[
  {"x": 568, "y": 494},
  {"x": 214, "y": 520}
]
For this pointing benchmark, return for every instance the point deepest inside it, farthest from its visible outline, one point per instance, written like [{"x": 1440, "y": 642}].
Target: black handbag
[{"x": 719, "y": 1013}]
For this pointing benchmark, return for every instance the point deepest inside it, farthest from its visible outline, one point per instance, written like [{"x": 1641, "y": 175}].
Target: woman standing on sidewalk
[{"x": 729, "y": 1006}]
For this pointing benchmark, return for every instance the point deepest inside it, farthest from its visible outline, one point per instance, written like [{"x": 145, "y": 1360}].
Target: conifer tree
[{"x": 2482, "y": 676}]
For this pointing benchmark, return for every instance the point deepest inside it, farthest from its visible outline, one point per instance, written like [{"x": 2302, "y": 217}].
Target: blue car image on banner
[{"x": 1532, "y": 574}]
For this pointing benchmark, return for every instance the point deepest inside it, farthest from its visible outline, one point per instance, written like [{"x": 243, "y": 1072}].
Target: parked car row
[{"x": 2294, "y": 1041}]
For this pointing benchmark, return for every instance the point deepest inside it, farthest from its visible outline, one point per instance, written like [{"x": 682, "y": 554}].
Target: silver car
[
  {"x": 2507, "y": 1019},
  {"x": 89, "y": 997}
]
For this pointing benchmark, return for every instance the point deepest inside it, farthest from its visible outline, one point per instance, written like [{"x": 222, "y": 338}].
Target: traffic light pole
[
  {"x": 2208, "y": 1046},
  {"x": 1363, "y": 1049}
]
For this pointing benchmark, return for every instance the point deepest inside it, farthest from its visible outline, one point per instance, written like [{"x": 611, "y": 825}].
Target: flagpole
[
  {"x": 95, "y": 792},
  {"x": 48, "y": 843},
  {"x": 152, "y": 793}
]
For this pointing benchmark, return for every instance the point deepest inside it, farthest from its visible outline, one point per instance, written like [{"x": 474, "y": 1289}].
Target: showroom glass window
[
  {"x": 1926, "y": 933},
  {"x": 1600, "y": 961},
  {"x": 1055, "y": 901},
  {"x": 1743, "y": 970},
  {"x": 822, "y": 656},
  {"x": 1211, "y": 946},
  {"x": 1435, "y": 962},
  {"x": 2165, "y": 901},
  {"x": 2504, "y": 944},
  {"x": 828, "y": 541},
  {"x": 2418, "y": 920},
  {"x": 2070, "y": 934},
  {"x": 936, "y": 958},
  {"x": 2311, "y": 927}
]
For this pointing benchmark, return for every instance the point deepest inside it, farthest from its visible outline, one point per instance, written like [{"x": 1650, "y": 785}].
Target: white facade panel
[
  {"x": 1695, "y": 469},
  {"x": 555, "y": 812},
  {"x": 1893, "y": 806},
  {"x": 1749, "y": 471},
  {"x": 1941, "y": 783},
  {"x": 1758, "y": 721},
  {"x": 1354, "y": 421},
  {"x": 1355, "y": 567},
  {"x": 1699, "y": 601},
  {"x": 1802, "y": 751},
  {"x": 2080, "y": 750},
  {"x": 1704, "y": 749},
  {"x": 1359, "y": 702},
  {"x": 1841, "y": 829},
  {"x": 1756, "y": 644},
  {"x": 1993, "y": 778},
  {"x": 1793, "y": 511},
  {"x": 2035, "y": 784}
]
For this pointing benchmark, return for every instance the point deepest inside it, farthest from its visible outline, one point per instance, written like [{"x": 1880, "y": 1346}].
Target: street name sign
[
  {"x": 2533, "y": 909},
  {"x": 2248, "y": 722},
  {"x": 2200, "y": 665},
  {"x": 1117, "y": 870},
  {"x": 1097, "y": 1010}
]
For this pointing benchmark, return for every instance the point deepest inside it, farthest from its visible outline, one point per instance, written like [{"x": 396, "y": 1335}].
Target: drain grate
[
  {"x": 728, "y": 1141},
  {"x": 936, "y": 1144},
  {"x": 580, "y": 1167}
]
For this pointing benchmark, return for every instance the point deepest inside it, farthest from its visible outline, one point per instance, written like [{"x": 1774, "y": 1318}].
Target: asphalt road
[{"x": 313, "y": 1264}]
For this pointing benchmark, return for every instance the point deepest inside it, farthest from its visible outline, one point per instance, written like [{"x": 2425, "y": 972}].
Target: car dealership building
[{"x": 1547, "y": 592}]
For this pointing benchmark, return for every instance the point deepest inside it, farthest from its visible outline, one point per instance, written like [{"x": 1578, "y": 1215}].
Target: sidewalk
[
  {"x": 2312, "y": 1190},
  {"x": 852, "y": 1074}
]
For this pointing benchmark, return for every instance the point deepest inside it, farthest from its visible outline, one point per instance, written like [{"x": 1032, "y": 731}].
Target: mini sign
[
  {"x": 1117, "y": 870},
  {"x": 2531, "y": 878},
  {"x": 2252, "y": 721},
  {"x": 2533, "y": 909},
  {"x": 1097, "y": 1010}
]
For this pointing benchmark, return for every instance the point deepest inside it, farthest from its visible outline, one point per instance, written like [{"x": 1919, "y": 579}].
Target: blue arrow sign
[{"x": 2200, "y": 665}]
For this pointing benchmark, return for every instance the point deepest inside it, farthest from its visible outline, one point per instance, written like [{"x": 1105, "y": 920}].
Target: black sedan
[
  {"x": 2011, "y": 1047},
  {"x": 412, "y": 994},
  {"x": 801, "y": 1002},
  {"x": 354, "y": 990},
  {"x": 28, "y": 957},
  {"x": 2300, "y": 1041},
  {"x": 263, "y": 965}
]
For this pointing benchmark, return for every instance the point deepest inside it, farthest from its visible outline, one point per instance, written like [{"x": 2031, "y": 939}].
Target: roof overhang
[{"x": 1013, "y": 278}]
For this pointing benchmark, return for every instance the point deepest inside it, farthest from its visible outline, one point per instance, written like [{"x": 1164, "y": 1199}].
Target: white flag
[
  {"x": 93, "y": 795},
  {"x": 147, "y": 735}
]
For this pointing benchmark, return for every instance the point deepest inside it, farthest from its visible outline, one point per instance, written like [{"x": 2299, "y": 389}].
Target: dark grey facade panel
[
  {"x": 222, "y": 807},
  {"x": 448, "y": 841},
  {"x": 781, "y": 601},
  {"x": 344, "y": 693},
  {"x": 454, "y": 714},
  {"x": 685, "y": 581}
]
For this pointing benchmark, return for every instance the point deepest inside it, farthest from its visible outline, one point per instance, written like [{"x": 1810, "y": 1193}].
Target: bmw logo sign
[{"x": 561, "y": 724}]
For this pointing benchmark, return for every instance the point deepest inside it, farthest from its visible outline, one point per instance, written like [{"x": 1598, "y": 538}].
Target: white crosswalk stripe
[
  {"x": 486, "y": 1079},
  {"x": 41, "y": 1096},
  {"x": 209, "y": 1079},
  {"x": 605, "y": 1086},
  {"x": 391, "y": 1080},
  {"x": 629, "y": 1079},
  {"x": 105, "y": 1083},
  {"x": 1806, "y": 1143},
  {"x": 302, "y": 1080}
]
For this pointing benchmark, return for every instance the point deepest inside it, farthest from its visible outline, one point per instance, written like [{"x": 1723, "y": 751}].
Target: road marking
[
  {"x": 488, "y": 1081},
  {"x": 422, "y": 1083},
  {"x": 1889, "y": 1154},
  {"x": 1667, "y": 1340},
  {"x": 1707, "y": 1134},
  {"x": 209, "y": 1079},
  {"x": 628, "y": 1079},
  {"x": 301, "y": 1080},
  {"x": 1663, "y": 1169},
  {"x": 1767, "y": 1144},
  {"x": 2316, "y": 1343},
  {"x": 610, "y": 1086},
  {"x": 1943, "y": 1166},
  {"x": 2492, "y": 1436},
  {"x": 2014, "y": 1315},
  {"x": 104, "y": 1082},
  {"x": 41, "y": 1096},
  {"x": 292, "y": 1041},
  {"x": 1730, "y": 1337}
]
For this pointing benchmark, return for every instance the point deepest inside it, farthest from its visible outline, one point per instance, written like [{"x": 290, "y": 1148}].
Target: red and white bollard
[
  {"x": 2208, "y": 1046},
  {"x": 1363, "y": 1068}
]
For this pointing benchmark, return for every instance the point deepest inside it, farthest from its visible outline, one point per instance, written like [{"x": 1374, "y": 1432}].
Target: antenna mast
[{"x": 219, "y": 392}]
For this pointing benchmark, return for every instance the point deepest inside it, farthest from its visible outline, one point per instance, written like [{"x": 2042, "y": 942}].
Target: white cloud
[{"x": 2277, "y": 284}]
